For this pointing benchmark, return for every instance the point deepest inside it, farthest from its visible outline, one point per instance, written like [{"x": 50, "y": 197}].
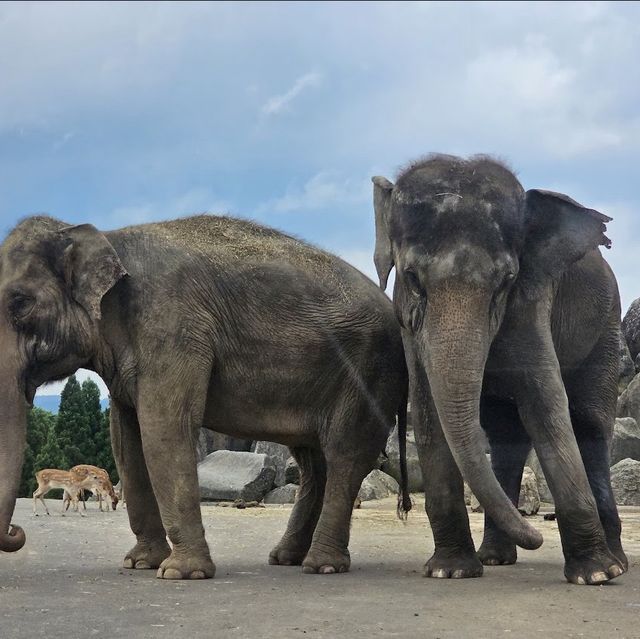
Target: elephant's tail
[{"x": 404, "y": 499}]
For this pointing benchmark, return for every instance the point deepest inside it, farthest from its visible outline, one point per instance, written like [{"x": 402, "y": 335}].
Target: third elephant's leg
[
  {"x": 295, "y": 542},
  {"x": 144, "y": 517},
  {"x": 455, "y": 554},
  {"x": 510, "y": 445}
]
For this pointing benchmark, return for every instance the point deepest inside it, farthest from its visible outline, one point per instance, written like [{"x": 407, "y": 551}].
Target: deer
[
  {"x": 51, "y": 478},
  {"x": 97, "y": 481}
]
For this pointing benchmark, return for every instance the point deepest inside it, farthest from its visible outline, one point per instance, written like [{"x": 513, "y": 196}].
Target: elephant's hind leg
[
  {"x": 144, "y": 517},
  {"x": 510, "y": 445},
  {"x": 295, "y": 543}
]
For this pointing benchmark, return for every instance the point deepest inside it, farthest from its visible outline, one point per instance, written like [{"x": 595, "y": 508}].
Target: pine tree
[
  {"x": 93, "y": 413},
  {"x": 105, "y": 454},
  {"x": 73, "y": 430},
  {"x": 39, "y": 426}
]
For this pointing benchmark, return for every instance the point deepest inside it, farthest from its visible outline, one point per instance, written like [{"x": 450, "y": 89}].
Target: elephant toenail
[
  {"x": 441, "y": 573},
  {"x": 457, "y": 574},
  {"x": 128, "y": 563},
  {"x": 308, "y": 570},
  {"x": 142, "y": 565},
  {"x": 581, "y": 581},
  {"x": 327, "y": 570},
  {"x": 598, "y": 577},
  {"x": 197, "y": 574},
  {"x": 171, "y": 573},
  {"x": 615, "y": 570}
]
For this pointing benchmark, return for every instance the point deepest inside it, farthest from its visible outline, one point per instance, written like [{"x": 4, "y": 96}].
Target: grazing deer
[
  {"x": 51, "y": 478},
  {"x": 97, "y": 481}
]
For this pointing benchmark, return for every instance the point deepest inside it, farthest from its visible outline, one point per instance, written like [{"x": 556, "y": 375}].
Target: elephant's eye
[
  {"x": 413, "y": 282},
  {"x": 20, "y": 306}
]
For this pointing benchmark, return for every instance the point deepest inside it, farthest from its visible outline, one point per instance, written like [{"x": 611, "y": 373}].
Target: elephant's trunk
[
  {"x": 13, "y": 435},
  {"x": 454, "y": 349}
]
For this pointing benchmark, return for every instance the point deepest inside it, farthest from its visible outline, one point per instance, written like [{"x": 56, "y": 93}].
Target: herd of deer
[{"x": 74, "y": 482}]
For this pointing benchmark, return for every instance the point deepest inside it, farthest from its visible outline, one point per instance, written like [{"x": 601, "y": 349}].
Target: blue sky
[{"x": 121, "y": 113}]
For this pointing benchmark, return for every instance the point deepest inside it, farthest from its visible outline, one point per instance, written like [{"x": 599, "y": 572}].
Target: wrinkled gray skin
[
  {"x": 510, "y": 320},
  {"x": 203, "y": 321}
]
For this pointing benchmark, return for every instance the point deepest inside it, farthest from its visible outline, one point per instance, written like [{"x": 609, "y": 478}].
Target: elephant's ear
[
  {"x": 91, "y": 266},
  {"x": 559, "y": 232},
  {"x": 383, "y": 257}
]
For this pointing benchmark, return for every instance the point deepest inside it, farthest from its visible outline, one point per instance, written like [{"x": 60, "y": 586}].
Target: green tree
[
  {"x": 105, "y": 453},
  {"x": 40, "y": 425},
  {"x": 73, "y": 429},
  {"x": 50, "y": 455}
]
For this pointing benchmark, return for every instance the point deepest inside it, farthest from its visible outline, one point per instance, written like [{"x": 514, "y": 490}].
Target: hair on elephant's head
[
  {"x": 52, "y": 280},
  {"x": 465, "y": 238}
]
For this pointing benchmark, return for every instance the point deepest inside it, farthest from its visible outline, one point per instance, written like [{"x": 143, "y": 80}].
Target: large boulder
[
  {"x": 625, "y": 481},
  {"x": 377, "y": 485},
  {"x": 543, "y": 488},
  {"x": 210, "y": 441},
  {"x": 226, "y": 475},
  {"x": 391, "y": 465},
  {"x": 282, "y": 495},
  {"x": 626, "y": 440},
  {"x": 626, "y": 366},
  {"x": 631, "y": 328},
  {"x": 629, "y": 401},
  {"x": 529, "y": 499},
  {"x": 279, "y": 455},
  {"x": 292, "y": 472}
]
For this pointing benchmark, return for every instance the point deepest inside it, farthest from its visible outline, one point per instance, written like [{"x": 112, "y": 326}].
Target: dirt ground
[{"x": 67, "y": 582}]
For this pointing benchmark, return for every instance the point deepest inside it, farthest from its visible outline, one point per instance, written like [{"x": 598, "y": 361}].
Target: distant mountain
[{"x": 52, "y": 402}]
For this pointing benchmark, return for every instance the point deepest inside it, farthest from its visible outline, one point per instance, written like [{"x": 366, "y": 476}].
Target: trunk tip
[
  {"x": 14, "y": 540},
  {"x": 531, "y": 539}
]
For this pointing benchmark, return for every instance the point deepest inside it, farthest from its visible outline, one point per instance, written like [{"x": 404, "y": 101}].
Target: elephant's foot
[
  {"x": 325, "y": 561},
  {"x": 182, "y": 566},
  {"x": 496, "y": 553},
  {"x": 287, "y": 554},
  {"x": 146, "y": 555},
  {"x": 453, "y": 564},
  {"x": 600, "y": 567}
]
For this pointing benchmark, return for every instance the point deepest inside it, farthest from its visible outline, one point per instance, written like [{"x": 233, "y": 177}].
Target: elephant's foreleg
[
  {"x": 454, "y": 554},
  {"x": 510, "y": 445},
  {"x": 543, "y": 407},
  {"x": 170, "y": 416},
  {"x": 144, "y": 517},
  {"x": 295, "y": 543}
]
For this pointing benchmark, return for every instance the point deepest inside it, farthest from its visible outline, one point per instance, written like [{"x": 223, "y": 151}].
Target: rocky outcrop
[
  {"x": 543, "y": 488},
  {"x": 292, "y": 472},
  {"x": 210, "y": 441},
  {"x": 529, "y": 499},
  {"x": 282, "y": 495},
  {"x": 229, "y": 475},
  {"x": 626, "y": 440},
  {"x": 626, "y": 366},
  {"x": 279, "y": 455},
  {"x": 629, "y": 401},
  {"x": 377, "y": 485},
  {"x": 625, "y": 481}
]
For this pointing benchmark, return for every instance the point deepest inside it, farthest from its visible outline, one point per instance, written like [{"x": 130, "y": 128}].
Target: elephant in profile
[
  {"x": 204, "y": 321},
  {"x": 510, "y": 319}
]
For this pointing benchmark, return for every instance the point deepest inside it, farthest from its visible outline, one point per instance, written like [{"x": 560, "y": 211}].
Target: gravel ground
[{"x": 67, "y": 582}]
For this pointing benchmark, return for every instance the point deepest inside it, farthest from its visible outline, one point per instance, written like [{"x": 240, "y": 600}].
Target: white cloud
[
  {"x": 280, "y": 103},
  {"x": 56, "y": 387},
  {"x": 323, "y": 190}
]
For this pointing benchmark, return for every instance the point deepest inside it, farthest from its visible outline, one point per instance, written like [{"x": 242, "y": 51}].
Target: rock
[
  {"x": 210, "y": 441},
  {"x": 631, "y": 328},
  {"x": 627, "y": 369},
  {"x": 391, "y": 465},
  {"x": 282, "y": 495},
  {"x": 279, "y": 455},
  {"x": 543, "y": 488},
  {"x": 625, "y": 481},
  {"x": 626, "y": 440},
  {"x": 529, "y": 500},
  {"x": 230, "y": 475},
  {"x": 629, "y": 401},
  {"x": 377, "y": 485},
  {"x": 471, "y": 500},
  {"x": 292, "y": 472}
]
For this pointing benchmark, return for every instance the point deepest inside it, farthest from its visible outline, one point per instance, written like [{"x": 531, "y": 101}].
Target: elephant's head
[
  {"x": 464, "y": 238},
  {"x": 52, "y": 280}
]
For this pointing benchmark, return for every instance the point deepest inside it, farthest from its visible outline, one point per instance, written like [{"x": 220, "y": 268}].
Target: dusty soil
[{"x": 67, "y": 582}]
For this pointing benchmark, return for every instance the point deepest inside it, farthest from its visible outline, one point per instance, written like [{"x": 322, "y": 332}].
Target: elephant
[
  {"x": 510, "y": 319},
  {"x": 203, "y": 321}
]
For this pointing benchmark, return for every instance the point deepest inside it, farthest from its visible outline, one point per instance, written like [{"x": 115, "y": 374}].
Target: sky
[{"x": 123, "y": 113}]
